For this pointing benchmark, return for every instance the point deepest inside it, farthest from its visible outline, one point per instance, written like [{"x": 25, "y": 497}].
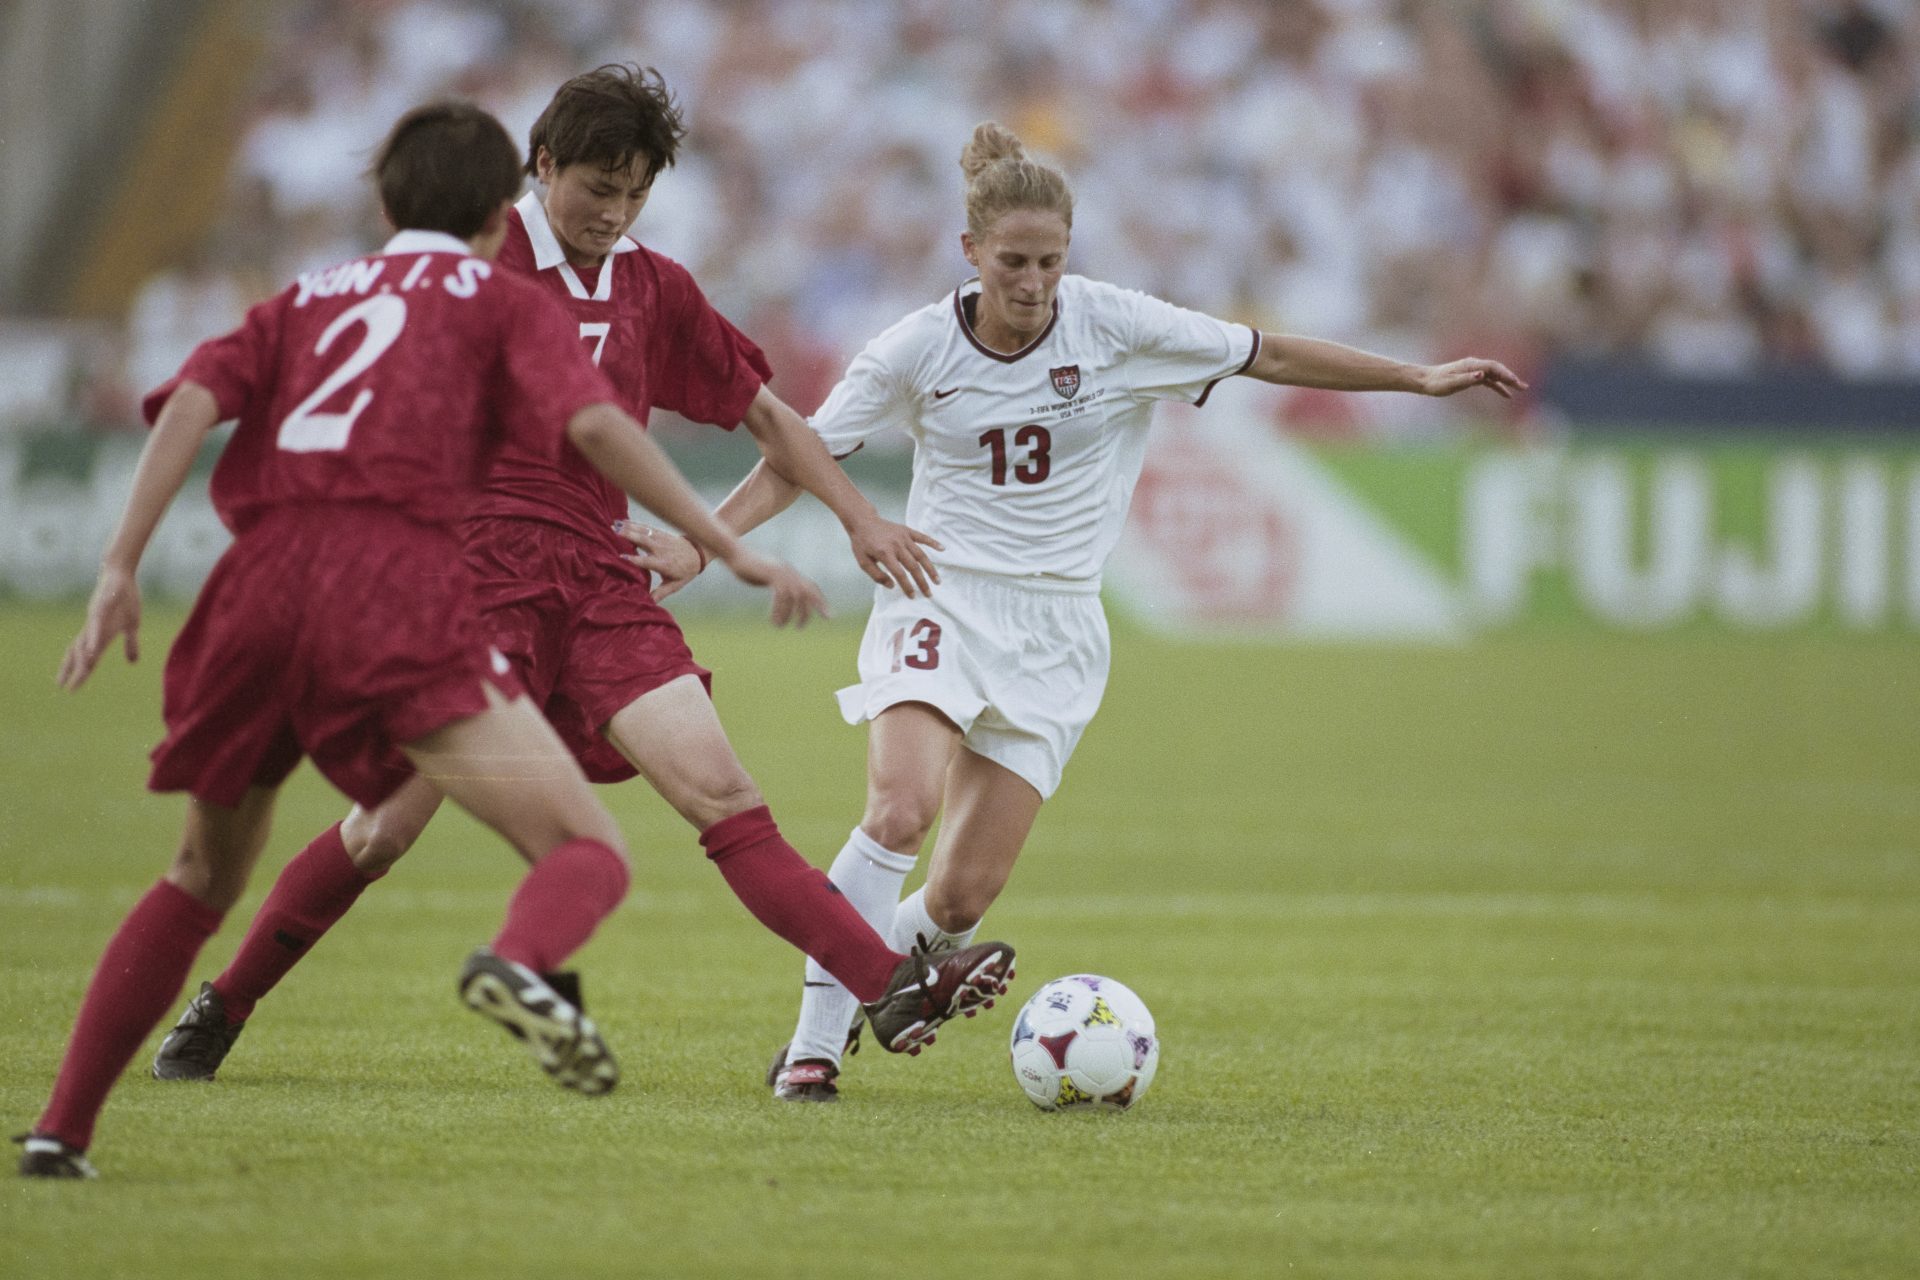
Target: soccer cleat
[
  {"x": 43, "y": 1157},
  {"x": 199, "y": 1042},
  {"x": 808, "y": 1080},
  {"x": 566, "y": 984},
  {"x": 807, "y": 1086},
  {"x": 928, "y": 990},
  {"x": 563, "y": 1040}
]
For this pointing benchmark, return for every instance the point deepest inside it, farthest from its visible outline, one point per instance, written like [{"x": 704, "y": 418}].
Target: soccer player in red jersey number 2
[
  {"x": 371, "y": 397},
  {"x": 567, "y": 600}
]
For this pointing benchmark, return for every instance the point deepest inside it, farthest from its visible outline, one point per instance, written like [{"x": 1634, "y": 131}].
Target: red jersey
[
  {"x": 390, "y": 379},
  {"x": 652, "y": 332}
]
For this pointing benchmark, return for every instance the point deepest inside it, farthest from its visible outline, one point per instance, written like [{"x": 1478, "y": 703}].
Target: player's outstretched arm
[
  {"x": 614, "y": 443},
  {"x": 1312, "y": 362},
  {"x": 114, "y": 610},
  {"x": 892, "y": 554},
  {"x": 674, "y": 558}
]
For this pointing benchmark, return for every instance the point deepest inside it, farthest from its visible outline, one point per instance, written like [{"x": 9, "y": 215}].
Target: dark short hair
[
  {"x": 446, "y": 166},
  {"x": 608, "y": 117}
]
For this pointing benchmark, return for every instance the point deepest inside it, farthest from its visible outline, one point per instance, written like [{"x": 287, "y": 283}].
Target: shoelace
[{"x": 926, "y": 953}]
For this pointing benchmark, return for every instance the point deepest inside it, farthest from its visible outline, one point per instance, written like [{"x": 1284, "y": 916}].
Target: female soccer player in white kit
[{"x": 1028, "y": 394}]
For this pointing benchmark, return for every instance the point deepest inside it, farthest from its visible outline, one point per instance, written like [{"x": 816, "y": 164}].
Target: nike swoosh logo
[
  {"x": 819, "y": 984},
  {"x": 942, "y": 395}
]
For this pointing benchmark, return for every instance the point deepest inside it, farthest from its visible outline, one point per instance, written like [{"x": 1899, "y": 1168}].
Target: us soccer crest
[{"x": 1066, "y": 381}]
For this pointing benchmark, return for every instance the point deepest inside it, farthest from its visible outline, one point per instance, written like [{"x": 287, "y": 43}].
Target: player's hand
[
  {"x": 1446, "y": 379},
  {"x": 670, "y": 557},
  {"x": 893, "y": 555},
  {"x": 796, "y": 597},
  {"x": 113, "y": 611}
]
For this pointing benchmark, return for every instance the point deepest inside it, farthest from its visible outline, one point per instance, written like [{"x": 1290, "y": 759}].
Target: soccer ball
[{"x": 1084, "y": 1041}]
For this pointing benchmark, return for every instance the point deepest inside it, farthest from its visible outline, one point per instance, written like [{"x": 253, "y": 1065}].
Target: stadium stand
[{"x": 1712, "y": 187}]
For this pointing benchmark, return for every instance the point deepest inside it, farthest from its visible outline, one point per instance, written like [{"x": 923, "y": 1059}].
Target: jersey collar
[
  {"x": 960, "y": 315},
  {"x": 548, "y": 255},
  {"x": 427, "y": 242}
]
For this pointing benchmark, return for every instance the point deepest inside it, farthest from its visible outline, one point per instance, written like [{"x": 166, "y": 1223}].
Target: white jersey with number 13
[{"x": 1024, "y": 462}]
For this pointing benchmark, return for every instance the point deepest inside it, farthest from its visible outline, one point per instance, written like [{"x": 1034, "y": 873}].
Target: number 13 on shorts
[{"x": 924, "y": 636}]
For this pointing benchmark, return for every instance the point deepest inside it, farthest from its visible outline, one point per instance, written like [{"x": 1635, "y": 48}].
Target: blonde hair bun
[
  {"x": 1001, "y": 179},
  {"x": 991, "y": 142}
]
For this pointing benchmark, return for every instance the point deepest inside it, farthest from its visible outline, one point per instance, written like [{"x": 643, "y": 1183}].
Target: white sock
[
  {"x": 913, "y": 927},
  {"x": 870, "y": 878}
]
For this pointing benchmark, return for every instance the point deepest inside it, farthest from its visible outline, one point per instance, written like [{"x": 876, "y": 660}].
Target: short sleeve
[
  {"x": 708, "y": 371},
  {"x": 545, "y": 375},
  {"x": 871, "y": 397},
  {"x": 1177, "y": 354},
  {"x": 233, "y": 366}
]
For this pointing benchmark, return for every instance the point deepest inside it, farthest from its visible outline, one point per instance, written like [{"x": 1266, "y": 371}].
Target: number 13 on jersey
[
  {"x": 1034, "y": 466},
  {"x": 925, "y": 637}
]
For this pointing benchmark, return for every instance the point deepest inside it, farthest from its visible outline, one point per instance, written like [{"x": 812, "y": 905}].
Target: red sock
[
  {"x": 560, "y": 903},
  {"x": 795, "y": 899},
  {"x": 140, "y": 973},
  {"x": 314, "y": 890}
]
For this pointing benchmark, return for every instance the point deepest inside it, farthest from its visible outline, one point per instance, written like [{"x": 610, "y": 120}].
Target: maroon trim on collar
[
  {"x": 1236, "y": 373},
  {"x": 960, "y": 314}
]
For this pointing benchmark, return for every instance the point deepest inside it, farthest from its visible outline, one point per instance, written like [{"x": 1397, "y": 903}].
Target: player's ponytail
[{"x": 1000, "y": 179}]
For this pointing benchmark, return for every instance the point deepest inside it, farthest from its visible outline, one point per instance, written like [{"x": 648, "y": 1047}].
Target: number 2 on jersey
[
  {"x": 1032, "y": 469},
  {"x": 307, "y": 429}
]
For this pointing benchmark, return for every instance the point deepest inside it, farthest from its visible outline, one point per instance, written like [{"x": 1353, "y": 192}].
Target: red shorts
[
  {"x": 580, "y": 626},
  {"x": 331, "y": 632}
]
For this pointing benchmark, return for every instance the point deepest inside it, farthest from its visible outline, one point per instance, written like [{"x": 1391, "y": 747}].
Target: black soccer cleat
[
  {"x": 200, "y": 1041},
  {"x": 43, "y": 1157},
  {"x": 563, "y": 1040},
  {"x": 566, "y": 984},
  {"x": 928, "y": 990}
]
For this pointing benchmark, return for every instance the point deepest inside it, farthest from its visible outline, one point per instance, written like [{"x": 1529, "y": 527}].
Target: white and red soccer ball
[{"x": 1084, "y": 1041}]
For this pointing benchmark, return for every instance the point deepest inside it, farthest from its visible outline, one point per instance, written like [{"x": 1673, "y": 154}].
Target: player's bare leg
[
  {"x": 909, "y": 748},
  {"x": 141, "y": 972},
  {"x": 377, "y": 838},
  {"x": 508, "y": 768},
  {"x": 673, "y": 736},
  {"x": 314, "y": 890},
  {"x": 989, "y": 811},
  {"x": 989, "y": 814},
  {"x": 219, "y": 847}
]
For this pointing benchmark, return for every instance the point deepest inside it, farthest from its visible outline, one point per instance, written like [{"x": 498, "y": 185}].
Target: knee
[
  {"x": 958, "y": 898},
  {"x": 721, "y": 795},
  {"x": 609, "y": 835},
  {"x": 900, "y": 820},
  {"x": 218, "y": 882},
  {"x": 374, "y": 843}
]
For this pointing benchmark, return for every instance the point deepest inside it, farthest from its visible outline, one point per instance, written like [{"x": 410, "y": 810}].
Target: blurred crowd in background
[{"x": 1710, "y": 185}]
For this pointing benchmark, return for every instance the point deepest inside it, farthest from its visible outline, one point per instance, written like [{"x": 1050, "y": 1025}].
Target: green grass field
[{"x": 1560, "y": 956}]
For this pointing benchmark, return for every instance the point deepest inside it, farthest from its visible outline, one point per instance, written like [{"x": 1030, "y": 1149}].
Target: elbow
[
  {"x": 592, "y": 426},
  {"x": 191, "y": 409}
]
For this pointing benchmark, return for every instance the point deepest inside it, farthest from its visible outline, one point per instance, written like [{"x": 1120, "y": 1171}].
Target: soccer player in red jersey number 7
[
  {"x": 371, "y": 396},
  {"x": 1028, "y": 395},
  {"x": 568, "y": 603}
]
